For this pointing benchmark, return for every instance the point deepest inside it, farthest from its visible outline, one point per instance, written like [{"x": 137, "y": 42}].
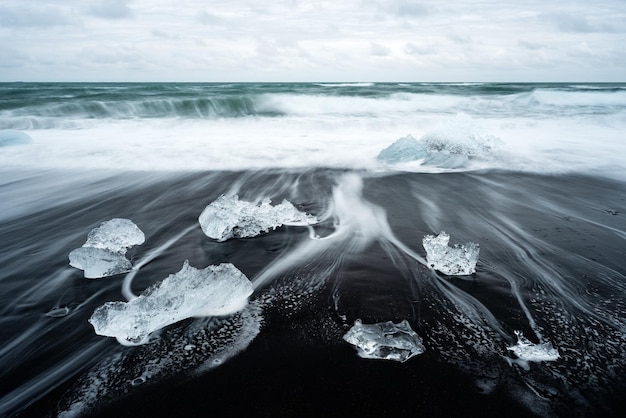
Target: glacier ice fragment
[
  {"x": 116, "y": 235},
  {"x": 10, "y": 137},
  {"x": 385, "y": 340},
  {"x": 458, "y": 260},
  {"x": 103, "y": 254},
  {"x": 212, "y": 291},
  {"x": 98, "y": 262},
  {"x": 448, "y": 146},
  {"x": 462, "y": 137},
  {"x": 228, "y": 217},
  {"x": 402, "y": 150},
  {"x": 526, "y": 350}
]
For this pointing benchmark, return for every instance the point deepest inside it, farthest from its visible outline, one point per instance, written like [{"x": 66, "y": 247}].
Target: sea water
[{"x": 534, "y": 174}]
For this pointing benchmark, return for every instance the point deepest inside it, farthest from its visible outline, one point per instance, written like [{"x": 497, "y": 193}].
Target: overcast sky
[{"x": 303, "y": 40}]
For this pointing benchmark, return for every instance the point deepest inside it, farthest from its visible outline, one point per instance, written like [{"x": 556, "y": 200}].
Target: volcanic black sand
[{"x": 552, "y": 264}]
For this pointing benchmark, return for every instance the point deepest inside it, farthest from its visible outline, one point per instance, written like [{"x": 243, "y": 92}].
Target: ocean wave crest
[{"x": 188, "y": 107}]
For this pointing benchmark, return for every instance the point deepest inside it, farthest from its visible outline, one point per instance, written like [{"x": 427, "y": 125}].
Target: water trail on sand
[
  {"x": 463, "y": 326},
  {"x": 357, "y": 224},
  {"x": 128, "y": 279}
]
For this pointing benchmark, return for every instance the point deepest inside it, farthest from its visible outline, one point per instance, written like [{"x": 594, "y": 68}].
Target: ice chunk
[
  {"x": 98, "y": 262},
  {"x": 215, "y": 290},
  {"x": 459, "y": 260},
  {"x": 461, "y": 137},
  {"x": 116, "y": 235},
  {"x": 444, "y": 159},
  {"x": 450, "y": 146},
  {"x": 410, "y": 149},
  {"x": 9, "y": 137},
  {"x": 402, "y": 150},
  {"x": 385, "y": 340},
  {"x": 526, "y": 350},
  {"x": 103, "y": 254},
  {"x": 228, "y": 217}
]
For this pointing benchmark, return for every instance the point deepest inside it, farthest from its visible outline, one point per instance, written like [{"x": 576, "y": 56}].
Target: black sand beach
[{"x": 552, "y": 264}]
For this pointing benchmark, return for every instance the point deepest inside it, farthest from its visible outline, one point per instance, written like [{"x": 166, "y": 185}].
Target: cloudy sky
[{"x": 304, "y": 40}]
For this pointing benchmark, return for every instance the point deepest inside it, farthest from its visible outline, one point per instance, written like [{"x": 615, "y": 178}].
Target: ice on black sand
[
  {"x": 104, "y": 252},
  {"x": 385, "y": 340},
  {"x": 228, "y": 217},
  {"x": 212, "y": 291},
  {"x": 458, "y": 260},
  {"x": 526, "y": 350}
]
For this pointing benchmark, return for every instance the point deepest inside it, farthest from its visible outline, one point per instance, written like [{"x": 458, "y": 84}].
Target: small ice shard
[
  {"x": 458, "y": 260},
  {"x": 214, "y": 290},
  {"x": 402, "y": 150},
  {"x": 58, "y": 312},
  {"x": 526, "y": 350},
  {"x": 228, "y": 217},
  {"x": 10, "y": 137},
  {"x": 103, "y": 254},
  {"x": 385, "y": 340}
]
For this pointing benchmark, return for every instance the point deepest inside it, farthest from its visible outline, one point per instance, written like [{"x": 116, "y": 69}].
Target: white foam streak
[
  {"x": 128, "y": 279},
  {"x": 358, "y": 223},
  {"x": 579, "y": 98}
]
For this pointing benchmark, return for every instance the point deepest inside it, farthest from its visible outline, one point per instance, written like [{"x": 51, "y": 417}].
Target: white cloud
[{"x": 312, "y": 40}]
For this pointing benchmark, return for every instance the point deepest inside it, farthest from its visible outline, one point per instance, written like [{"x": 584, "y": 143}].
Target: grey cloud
[
  {"x": 411, "y": 8},
  {"x": 414, "y": 49},
  {"x": 459, "y": 38},
  {"x": 157, "y": 33},
  {"x": 529, "y": 45},
  {"x": 379, "y": 50},
  {"x": 11, "y": 58},
  {"x": 398, "y": 8},
  {"x": 209, "y": 19},
  {"x": 111, "y": 9},
  {"x": 32, "y": 17},
  {"x": 115, "y": 56},
  {"x": 569, "y": 22}
]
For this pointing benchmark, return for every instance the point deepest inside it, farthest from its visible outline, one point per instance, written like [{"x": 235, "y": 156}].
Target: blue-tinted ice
[
  {"x": 458, "y": 260},
  {"x": 228, "y": 217},
  {"x": 10, "y": 137},
  {"x": 385, "y": 340},
  {"x": 212, "y": 291},
  {"x": 402, "y": 150},
  {"x": 450, "y": 146},
  {"x": 103, "y": 254}
]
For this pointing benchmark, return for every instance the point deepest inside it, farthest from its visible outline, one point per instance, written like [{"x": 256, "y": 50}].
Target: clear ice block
[
  {"x": 458, "y": 260},
  {"x": 526, "y": 350},
  {"x": 103, "y": 254},
  {"x": 385, "y": 340},
  {"x": 228, "y": 217},
  {"x": 212, "y": 291}
]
